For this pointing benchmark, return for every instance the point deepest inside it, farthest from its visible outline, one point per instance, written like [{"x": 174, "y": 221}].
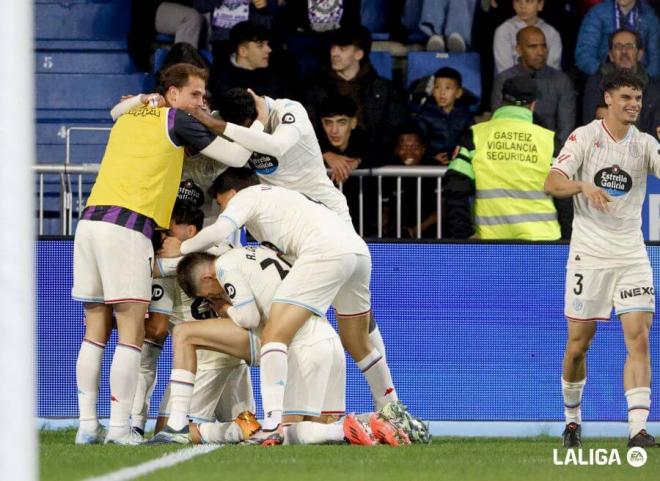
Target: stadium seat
[
  {"x": 382, "y": 62},
  {"x": 93, "y": 91},
  {"x": 79, "y": 21},
  {"x": 83, "y": 62},
  {"x": 86, "y": 146},
  {"x": 423, "y": 64},
  {"x": 373, "y": 14}
]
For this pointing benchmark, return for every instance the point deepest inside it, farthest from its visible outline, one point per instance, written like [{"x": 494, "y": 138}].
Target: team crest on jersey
[
  {"x": 288, "y": 118},
  {"x": 634, "y": 150},
  {"x": 230, "y": 290},
  {"x": 157, "y": 292},
  {"x": 263, "y": 163},
  {"x": 614, "y": 181}
]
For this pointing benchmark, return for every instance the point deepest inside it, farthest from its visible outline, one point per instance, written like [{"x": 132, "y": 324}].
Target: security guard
[{"x": 503, "y": 164}]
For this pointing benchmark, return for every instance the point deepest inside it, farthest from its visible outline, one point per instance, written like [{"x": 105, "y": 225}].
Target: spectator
[
  {"x": 249, "y": 64},
  {"x": 441, "y": 20},
  {"x": 625, "y": 53},
  {"x": 443, "y": 119},
  {"x": 555, "y": 104},
  {"x": 182, "y": 53},
  {"x": 225, "y": 14},
  {"x": 410, "y": 151},
  {"x": 345, "y": 147},
  {"x": 503, "y": 164},
  {"x": 601, "y": 110},
  {"x": 607, "y": 17},
  {"x": 175, "y": 17},
  {"x": 504, "y": 43},
  {"x": 381, "y": 110}
]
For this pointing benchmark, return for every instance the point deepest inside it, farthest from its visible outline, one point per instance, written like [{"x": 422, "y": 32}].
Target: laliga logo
[{"x": 636, "y": 457}]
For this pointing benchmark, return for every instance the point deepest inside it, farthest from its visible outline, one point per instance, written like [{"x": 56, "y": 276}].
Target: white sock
[
  {"x": 273, "y": 370},
  {"x": 639, "y": 405},
  {"x": 182, "y": 384},
  {"x": 308, "y": 432},
  {"x": 146, "y": 383},
  {"x": 221, "y": 433},
  {"x": 377, "y": 341},
  {"x": 88, "y": 372},
  {"x": 572, "y": 392},
  {"x": 377, "y": 372},
  {"x": 123, "y": 381}
]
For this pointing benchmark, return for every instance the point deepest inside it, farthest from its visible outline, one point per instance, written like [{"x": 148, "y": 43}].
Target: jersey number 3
[
  {"x": 281, "y": 270},
  {"x": 577, "y": 290}
]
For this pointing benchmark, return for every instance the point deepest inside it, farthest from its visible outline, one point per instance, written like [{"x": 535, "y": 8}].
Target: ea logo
[
  {"x": 636, "y": 457},
  {"x": 230, "y": 290},
  {"x": 157, "y": 292}
]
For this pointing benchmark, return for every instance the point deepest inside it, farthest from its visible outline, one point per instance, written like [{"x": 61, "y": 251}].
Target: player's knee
[
  {"x": 577, "y": 348},
  {"x": 155, "y": 332},
  {"x": 179, "y": 334},
  {"x": 638, "y": 343}
]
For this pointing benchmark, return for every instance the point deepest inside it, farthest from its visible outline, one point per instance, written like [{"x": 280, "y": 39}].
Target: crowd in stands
[{"x": 318, "y": 52}]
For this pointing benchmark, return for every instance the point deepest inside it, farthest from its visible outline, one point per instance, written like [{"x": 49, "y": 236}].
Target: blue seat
[
  {"x": 88, "y": 92},
  {"x": 83, "y": 62},
  {"x": 382, "y": 62},
  {"x": 83, "y": 21},
  {"x": 424, "y": 64},
  {"x": 161, "y": 53}
]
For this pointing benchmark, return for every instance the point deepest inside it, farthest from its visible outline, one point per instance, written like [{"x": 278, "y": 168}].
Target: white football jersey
[
  {"x": 301, "y": 167},
  {"x": 250, "y": 277},
  {"x": 294, "y": 223},
  {"x": 591, "y": 154}
]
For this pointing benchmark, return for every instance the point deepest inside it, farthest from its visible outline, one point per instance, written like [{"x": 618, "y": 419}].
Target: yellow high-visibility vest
[
  {"x": 512, "y": 158},
  {"x": 141, "y": 168}
]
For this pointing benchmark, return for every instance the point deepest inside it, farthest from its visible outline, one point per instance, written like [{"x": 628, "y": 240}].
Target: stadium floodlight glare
[{"x": 18, "y": 434}]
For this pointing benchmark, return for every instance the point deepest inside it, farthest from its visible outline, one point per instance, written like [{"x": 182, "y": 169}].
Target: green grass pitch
[{"x": 480, "y": 459}]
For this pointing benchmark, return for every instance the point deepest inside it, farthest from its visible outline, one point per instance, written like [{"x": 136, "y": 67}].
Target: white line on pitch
[{"x": 132, "y": 472}]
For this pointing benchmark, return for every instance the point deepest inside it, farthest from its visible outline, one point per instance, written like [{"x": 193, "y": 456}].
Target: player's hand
[
  {"x": 153, "y": 100},
  {"x": 262, "y": 108},
  {"x": 442, "y": 158},
  {"x": 171, "y": 247},
  {"x": 126, "y": 97},
  {"x": 596, "y": 196},
  {"x": 259, "y": 3}
]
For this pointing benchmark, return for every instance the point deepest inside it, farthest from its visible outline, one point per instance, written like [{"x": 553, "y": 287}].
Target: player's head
[
  {"x": 410, "y": 145},
  {"x": 249, "y": 42},
  {"x": 187, "y": 220},
  {"x": 625, "y": 49},
  {"x": 349, "y": 47},
  {"x": 532, "y": 48},
  {"x": 339, "y": 118},
  {"x": 237, "y": 106},
  {"x": 183, "y": 86},
  {"x": 520, "y": 92},
  {"x": 231, "y": 181},
  {"x": 196, "y": 276},
  {"x": 447, "y": 87},
  {"x": 623, "y": 96},
  {"x": 528, "y": 10}
]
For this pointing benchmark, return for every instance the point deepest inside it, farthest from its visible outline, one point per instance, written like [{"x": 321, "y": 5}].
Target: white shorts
[
  {"x": 219, "y": 395},
  {"x": 591, "y": 293},
  {"x": 111, "y": 264},
  {"x": 316, "y": 380},
  {"x": 315, "y": 283}
]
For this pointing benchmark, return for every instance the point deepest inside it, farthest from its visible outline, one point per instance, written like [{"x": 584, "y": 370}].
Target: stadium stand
[{"x": 423, "y": 64}]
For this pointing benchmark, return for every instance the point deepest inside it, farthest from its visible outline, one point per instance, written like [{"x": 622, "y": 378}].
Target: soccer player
[
  {"x": 134, "y": 192},
  {"x": 604, "y": 165},
  {"x": 333, "y": 266},
  {"x": 223, "y": 388}
]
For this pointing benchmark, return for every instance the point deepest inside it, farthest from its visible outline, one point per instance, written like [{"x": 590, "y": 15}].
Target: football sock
[
  {"x": 639, "y": 405},
  {"x": 146, "y": 383},
  {"x": 572, "y": 393},
  {"x": 123, "y": 381},
  {"x": 273, "y": 371},
  {"x": 308, "y": 432},
  {"x": 377, "y": 341},
  {"x": 377, "y": 372},
  {"x": 221, "y": 433},
  {"x": 88, "y": 371},
  {"x": 182, "y": 384}
]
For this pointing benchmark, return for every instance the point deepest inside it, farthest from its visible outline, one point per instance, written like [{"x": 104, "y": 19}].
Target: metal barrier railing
[{"x": 71, "y": 202}]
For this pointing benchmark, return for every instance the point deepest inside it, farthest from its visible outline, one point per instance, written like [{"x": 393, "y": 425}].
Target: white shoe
[
  {"x": 131, "y": 438},
  {"x": 456, "y": 43},
  {"x": 91, "y": 437},
  {"x": 435, "y": 44}
]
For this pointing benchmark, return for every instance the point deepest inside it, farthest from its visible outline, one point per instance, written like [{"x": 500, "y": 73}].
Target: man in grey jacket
[{"x": 555, "y": 104}]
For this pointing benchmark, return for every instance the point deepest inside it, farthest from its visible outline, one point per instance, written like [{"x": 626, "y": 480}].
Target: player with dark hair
[{"x": 604, "y": 165}]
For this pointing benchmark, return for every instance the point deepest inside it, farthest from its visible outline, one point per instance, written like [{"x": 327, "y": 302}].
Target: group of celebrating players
[{"x": 229, "y": 307}]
